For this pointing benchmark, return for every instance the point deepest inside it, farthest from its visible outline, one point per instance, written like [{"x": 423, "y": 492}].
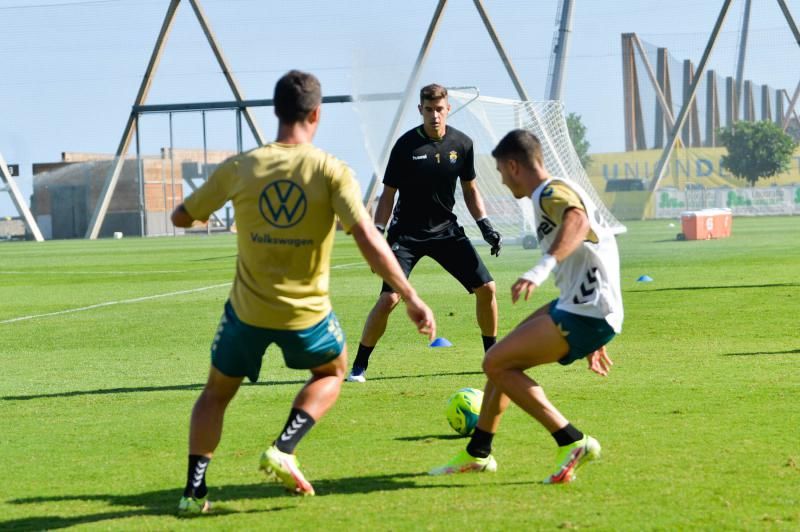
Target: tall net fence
[{"x": 487, "y": 120}]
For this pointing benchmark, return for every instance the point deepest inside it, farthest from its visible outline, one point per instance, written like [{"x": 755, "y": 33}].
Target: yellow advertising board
[
  {"x": 694, "y": 179},
  {"x": 698, "y": 166}
]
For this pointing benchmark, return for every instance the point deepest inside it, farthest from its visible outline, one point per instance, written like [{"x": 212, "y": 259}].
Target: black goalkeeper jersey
[{"x": 425, "y": 172}]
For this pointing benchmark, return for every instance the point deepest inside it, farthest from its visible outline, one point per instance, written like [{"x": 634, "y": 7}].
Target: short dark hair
[
  {"x": 432, "y": 92},
  {"x": 296, "y": 94},
  {"x": 519, "y": 145}
]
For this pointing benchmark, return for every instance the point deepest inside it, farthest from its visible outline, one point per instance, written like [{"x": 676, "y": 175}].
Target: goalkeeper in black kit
[{"x": 424, "y": 165}]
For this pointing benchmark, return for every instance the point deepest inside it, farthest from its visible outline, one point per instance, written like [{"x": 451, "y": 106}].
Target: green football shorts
[
  {"x": 238, "y": 348},
  {"x": 584, "y": 335}
]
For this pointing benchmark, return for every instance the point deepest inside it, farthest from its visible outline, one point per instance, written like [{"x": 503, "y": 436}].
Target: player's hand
[
  {"x": 421, "y": 316},
  {"x": 491, "y": 236},
  {"x": 600, "y": 362},
  {"x": 522, "y": 286}
]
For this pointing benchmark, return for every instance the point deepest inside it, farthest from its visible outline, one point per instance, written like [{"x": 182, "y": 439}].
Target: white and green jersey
[{"x": 588, "y": 279}]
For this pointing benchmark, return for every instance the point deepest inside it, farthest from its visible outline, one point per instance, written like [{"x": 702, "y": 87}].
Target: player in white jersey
[{"x": 582, "y": 251}]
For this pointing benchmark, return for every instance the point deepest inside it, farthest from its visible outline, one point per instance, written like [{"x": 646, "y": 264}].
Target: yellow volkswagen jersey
[{"x": 285, "y": 199}]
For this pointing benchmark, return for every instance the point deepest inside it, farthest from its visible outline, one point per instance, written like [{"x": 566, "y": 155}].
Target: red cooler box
[{"x": 706, "y": 224}]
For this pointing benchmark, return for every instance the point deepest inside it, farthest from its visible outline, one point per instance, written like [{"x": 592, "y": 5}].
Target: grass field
[{"x": 698, "y": 419}]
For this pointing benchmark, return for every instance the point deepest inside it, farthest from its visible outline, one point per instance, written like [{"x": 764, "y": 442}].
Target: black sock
[
  {"x": 362, "y": 357},
  {"x": 567, "y": 435},
  {"x": 480, "y": 445},
  {"x": 297, "y": 425},
  {"x": 488, "y": 341},
  {"x": 196, "y": 476}
]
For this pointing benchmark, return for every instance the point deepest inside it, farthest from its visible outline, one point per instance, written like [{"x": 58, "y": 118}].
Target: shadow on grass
[
  {"x": 754, "y": 353},
  {"x": 148, "y": 504},
  {"x": 726, "y": 287},
  {"x": 432, "y": 437},
  {"x": 53, "y": 522},
  {"x": 184, "y": 387},
  {"x": 443, "y": 374},
  {"x": 136, "y": 389},
  {"x": 164, "y": 502}
]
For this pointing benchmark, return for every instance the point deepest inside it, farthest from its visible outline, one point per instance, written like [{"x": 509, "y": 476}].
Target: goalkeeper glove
[{"x": 491, "y": 236}]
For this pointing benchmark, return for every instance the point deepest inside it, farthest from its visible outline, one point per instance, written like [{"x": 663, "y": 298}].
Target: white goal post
[{"x": 486, "y": 120}]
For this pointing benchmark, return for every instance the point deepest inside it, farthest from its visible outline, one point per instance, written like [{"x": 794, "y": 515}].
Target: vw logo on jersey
[{"x": 283, "y": 203}]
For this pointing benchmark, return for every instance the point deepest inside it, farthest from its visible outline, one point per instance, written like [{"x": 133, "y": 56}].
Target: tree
[
  {"x": 756, "y": 150},
  {"x": 577, "y": 134}
]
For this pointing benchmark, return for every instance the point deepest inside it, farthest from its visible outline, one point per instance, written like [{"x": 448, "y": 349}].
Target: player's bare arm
[
  {"x": 573, "y": 231},
  {"x": 384, "y": 209},
  {"x": 473, "y": 199},
  {"x": 474, "y": 202},
  {"x": 380, "y": 258}
]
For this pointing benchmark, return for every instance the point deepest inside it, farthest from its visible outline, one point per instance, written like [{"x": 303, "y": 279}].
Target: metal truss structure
[{"x": 244, "y": 106}]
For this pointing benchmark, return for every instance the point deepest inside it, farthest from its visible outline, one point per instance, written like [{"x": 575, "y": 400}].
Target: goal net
[{"x": 486, "y": 120}]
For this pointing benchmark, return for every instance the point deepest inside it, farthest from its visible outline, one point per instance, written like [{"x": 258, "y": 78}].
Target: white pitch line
[
  {"x": 111, "y": 303},
  {"x": 136, "y": 299},
  {"x": 350, "y": 265}
]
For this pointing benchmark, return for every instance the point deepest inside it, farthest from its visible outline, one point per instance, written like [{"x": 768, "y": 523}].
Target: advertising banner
[{"x": 693, "y": 179}]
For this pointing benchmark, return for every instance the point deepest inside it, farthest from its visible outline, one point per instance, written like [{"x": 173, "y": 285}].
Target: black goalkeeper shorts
[{"x": 454, "y": 252}]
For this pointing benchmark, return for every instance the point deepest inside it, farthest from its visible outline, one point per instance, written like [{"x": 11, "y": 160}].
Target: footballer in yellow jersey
[{"x": 286, "y": 196}]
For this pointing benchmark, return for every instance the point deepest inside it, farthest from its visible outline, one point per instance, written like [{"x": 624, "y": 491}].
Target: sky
[{"x": 71, "y": 69}]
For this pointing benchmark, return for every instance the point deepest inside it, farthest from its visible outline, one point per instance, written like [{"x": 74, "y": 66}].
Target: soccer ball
[{"x": 463, "y": 409}]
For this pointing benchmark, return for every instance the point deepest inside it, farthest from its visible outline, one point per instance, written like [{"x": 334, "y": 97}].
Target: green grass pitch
[{"x": 698, "y": 419}]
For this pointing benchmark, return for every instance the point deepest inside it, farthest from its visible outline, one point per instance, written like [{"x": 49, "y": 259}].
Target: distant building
[
  {"x": 65, "y": 193},
  {"x": 12, "y": 228}
]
